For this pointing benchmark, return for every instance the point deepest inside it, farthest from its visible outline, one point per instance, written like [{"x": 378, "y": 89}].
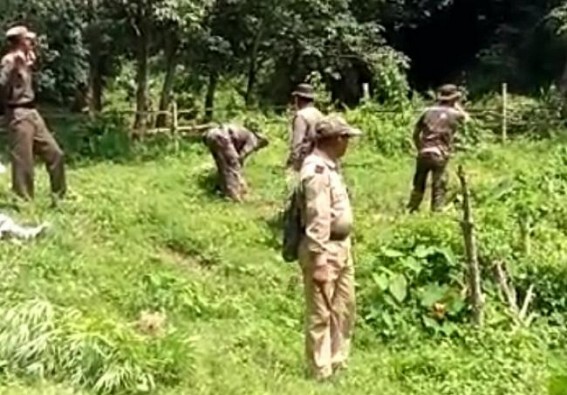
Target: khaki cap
[
  {"x": 334, "y": 126},
  {"x": 17, "y": 31}
]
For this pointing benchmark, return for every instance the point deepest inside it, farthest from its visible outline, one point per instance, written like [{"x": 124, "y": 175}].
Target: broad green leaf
[
  {"x": 381, "y": 280},
  {"x": 391, "y": 253},
  {"x": 387, "y": 318},
  {"x": 398, "y": 288},
  {"x": 423, "y": 252},
  {"x": 432, "y": 294},
  {"x": 429, "y": 322}
]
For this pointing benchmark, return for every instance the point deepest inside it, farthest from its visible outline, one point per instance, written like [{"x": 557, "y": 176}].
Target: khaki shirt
[
  {"x": 303, "y": 129},
  {"x": 327, "y": 214},
  {"x": 16, "y": 79}
]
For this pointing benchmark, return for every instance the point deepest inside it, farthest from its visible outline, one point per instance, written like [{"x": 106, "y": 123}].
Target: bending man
[{"x": 230, "y": 145}]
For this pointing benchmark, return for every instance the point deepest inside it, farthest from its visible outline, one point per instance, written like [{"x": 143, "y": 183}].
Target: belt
[
  {"x": 30, "y": 105},
  {"x": 338, "y": 237}
]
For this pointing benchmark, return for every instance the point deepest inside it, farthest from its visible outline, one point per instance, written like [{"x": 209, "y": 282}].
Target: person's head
[
  {"x": 19, "y": 37},
  {"x": 332, "y": 135},
  {"x": 448, "y": 95},
  {"x": 303, "y": 95},
  {"x": 254, "y": 127}
]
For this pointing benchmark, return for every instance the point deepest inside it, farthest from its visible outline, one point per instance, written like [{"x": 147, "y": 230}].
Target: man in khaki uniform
[
  {"x": 28, "y": 133},
  {"x": 230, "y": 145},
  {"x": 325, "y": 250},
  {"x": 303, "y": 125}
]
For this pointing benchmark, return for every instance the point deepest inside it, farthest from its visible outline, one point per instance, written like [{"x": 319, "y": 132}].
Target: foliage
[
  {"x": 168, "y": 243},
  {"x": 43, "y": 340}
]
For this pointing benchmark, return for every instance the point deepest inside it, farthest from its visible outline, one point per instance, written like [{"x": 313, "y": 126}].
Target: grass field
[{"x": 151, "y": 234}]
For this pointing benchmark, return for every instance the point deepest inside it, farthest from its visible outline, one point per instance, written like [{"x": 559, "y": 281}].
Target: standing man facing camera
[
  {"x": 324, "y": 252},
  {"x": 27, "y": 131}
]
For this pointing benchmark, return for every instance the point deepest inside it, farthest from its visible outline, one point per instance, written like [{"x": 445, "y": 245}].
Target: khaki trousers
[
  {"x": 29, "y": 135},
  {"x": 330, "y": 311}
]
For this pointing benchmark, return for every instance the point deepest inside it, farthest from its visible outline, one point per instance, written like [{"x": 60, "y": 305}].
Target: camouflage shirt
[{"x": 436, "y": 128}]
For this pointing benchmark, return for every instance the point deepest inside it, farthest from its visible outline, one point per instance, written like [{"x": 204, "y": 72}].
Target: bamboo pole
[
  {"x": 175, "y": 125},
  {"x": 504, "y": 112},
  {"x": 473, "y": 268}
]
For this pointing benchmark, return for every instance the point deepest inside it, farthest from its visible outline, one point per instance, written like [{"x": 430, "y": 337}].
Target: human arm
[
  {"x": 250, "y": 145},
  {"x": 317, "y": 217},
  {"x": 7, "y": 68},
  {"x": 417, "y": 132},
  {"x": 465, "y": 115},
  {"x": 299, "y": 131}
]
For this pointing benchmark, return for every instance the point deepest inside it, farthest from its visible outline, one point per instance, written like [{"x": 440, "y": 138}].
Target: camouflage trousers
[
  {"x": 29, "y": 135},
  {"x": 228, "y": 164},
  {"x": 436, "y": 165},
  {"x": 330, "y": 310}
]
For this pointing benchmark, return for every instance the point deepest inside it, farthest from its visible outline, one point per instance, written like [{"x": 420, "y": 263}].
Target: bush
[{"x": 40, "y": 339}]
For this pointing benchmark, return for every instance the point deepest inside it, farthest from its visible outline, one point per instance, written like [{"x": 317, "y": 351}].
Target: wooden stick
[
  {"x": 504, "y": 112},
  {"x": 529, "y": 297},
  {"x": 473, "y": 272},
  {"x": 508, "y": 290}
]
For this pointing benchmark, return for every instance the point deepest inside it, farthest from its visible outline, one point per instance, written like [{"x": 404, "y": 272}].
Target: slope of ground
[{"x": 152, "y": 235}]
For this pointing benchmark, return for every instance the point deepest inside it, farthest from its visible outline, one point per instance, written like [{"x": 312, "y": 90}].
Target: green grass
[{"x": 151, "y": 235}]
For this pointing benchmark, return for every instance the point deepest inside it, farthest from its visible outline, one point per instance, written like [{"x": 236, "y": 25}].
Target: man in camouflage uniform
[
  {"x": 433, "y": 139},
  {"x": 230, "y": 145},
  {"x": 28, "y": 133},
  {"x": 325, "y": 250},
  {"x": 303, "y": 125}
]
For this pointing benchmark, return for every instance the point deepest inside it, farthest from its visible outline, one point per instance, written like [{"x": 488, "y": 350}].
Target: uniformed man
[
  {"x": 230, "y": 145},
  {"x": 325, "y": 250},
  {"x": 303, "y": 125},
  {"x": 433, "y": 139},
  {"x": 28, "y": 133}
]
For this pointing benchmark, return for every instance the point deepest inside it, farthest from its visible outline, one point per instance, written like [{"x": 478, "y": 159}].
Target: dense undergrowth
[{"x": 146, "y": 232}]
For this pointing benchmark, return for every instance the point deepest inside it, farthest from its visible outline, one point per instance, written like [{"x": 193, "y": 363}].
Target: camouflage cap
[
  {"x": 448, "y": 92},
  {"x": 305, "y": 91},
  {"x": 334, "y": 126}
]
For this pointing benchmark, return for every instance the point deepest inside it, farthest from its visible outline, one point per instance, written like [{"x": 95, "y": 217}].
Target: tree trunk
[
  {"x": 253, "y": 66},
  {"x": 563, "y": 81},
  {"x": 563, "y": 88},
  {"x": 93, "y": 37},
  {"x": 171, "y": 63},
  {"x": 210, "y": 97},
  {"x": 142, "y": 54},
  {"x": 95, "y": 84}
]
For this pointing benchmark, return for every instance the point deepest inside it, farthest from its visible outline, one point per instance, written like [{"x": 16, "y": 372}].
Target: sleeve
[
  {"x": 6, "y": 69},
  {"x": 250, "y": 144},
  {"x": 463, "y": 115},
  {"x": 417, "y": 131},
  {"x": 297, "y": 136},
  {"x": 317, "y": 216}
]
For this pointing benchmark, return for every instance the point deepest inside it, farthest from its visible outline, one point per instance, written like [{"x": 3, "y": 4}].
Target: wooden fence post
[
  {"x": 473, "y": 268},
  {"x": 175, "y": 125},
  {"x": 504, "y": 112}
]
